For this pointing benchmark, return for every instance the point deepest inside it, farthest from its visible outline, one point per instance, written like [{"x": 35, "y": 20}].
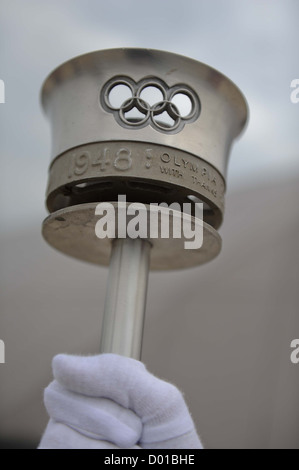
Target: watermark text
[
  {"x": 295, "y": 352},
  {"x": 295, "y": 93},
  {"x": 2, "y": 352},
  {"x": 2, "y": 92},
  {"x": 136, "y": 220}
]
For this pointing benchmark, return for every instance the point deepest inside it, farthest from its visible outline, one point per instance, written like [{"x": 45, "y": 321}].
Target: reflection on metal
[
  {"x": 126, "y": 297},
  {"x": 153, "y": 126}
]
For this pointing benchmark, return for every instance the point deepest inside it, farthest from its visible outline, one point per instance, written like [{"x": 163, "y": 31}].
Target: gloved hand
[{"x": 110, "y": 401}]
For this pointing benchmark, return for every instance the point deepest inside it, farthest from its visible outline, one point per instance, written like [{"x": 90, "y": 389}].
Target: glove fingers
[
  {"x": 105, "y": 375},
  {"x": 98, "y": 418},
  {"x": 61, "y": 436},
  {"x": 160, "y": 405}
]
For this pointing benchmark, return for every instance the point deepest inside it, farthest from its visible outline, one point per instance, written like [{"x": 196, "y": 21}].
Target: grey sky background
[{"x": 253, "y": 42}]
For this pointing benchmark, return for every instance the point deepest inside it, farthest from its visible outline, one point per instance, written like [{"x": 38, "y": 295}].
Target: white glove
[{"x": 110, "y": 401}]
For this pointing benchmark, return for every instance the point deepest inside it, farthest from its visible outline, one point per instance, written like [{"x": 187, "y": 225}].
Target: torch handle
[{"x": 125, "y": 303}]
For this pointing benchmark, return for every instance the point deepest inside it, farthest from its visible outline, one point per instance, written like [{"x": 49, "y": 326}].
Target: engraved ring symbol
[{"x": 167, "y": 110}]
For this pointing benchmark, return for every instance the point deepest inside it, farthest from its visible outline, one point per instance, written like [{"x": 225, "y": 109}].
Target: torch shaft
[{"x": 124, "y": 311}]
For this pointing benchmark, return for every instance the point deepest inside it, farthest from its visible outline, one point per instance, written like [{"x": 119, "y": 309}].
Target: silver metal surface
[
  {"x": 71, "y": 97},
  {"x": 156, "y": 175},
  {"x": 125, "y": 303},
  {"x": 72, "y": 231},
  {"x": 163, "y": 150},
  {"x": 155, "y": 127}
]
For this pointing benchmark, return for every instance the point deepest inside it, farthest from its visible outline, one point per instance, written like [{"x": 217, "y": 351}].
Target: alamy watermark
[
  {"x": 135, "y": 220},
  {"x": 2, "y": 91},
  {"x": 2, "y": 352},
  {"x": 295, "y": 352},
  {"x": 294, "y": 96}
]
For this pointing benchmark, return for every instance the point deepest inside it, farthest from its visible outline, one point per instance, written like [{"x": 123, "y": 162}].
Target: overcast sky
[{"x": 253, "y": 42}]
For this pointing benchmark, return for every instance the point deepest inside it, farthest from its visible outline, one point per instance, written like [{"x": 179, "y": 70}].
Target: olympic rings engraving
[{"x": 150, "y": 102}]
